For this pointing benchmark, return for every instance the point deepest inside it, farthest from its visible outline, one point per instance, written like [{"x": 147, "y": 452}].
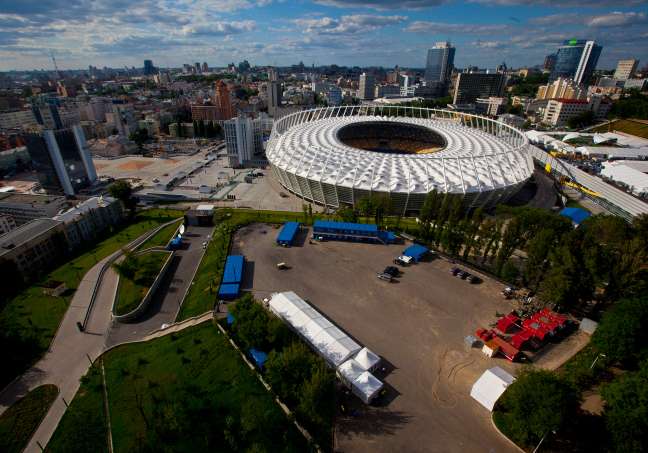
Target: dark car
[
  {"x": 454, "y": 271},
  {"x": 383, "y": 276},
  {"x": 473, "y": 279},
  {"x": 391, "y": 270},
  {"x": 464, "y": 275}
]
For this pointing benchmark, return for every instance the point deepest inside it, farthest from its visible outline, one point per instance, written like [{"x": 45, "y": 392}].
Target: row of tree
[
  {"x": 300, "y": 378},
  {"x": 207, "y": 129}
]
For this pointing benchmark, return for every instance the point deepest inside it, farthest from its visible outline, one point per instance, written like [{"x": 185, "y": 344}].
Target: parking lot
[{"x": 417, "y": 324}]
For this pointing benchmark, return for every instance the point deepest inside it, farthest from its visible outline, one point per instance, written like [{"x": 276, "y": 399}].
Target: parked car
[
  {"x": 473, "y": 279},
  {"x": 454, "y": 271},
  {"x": 385, "y": 277},
  {"x": 282, "y": 266},
  {"x": 403, "y": 260},
  {"x": 464, "y": 275},
  {"x": 391, "y": 270}
]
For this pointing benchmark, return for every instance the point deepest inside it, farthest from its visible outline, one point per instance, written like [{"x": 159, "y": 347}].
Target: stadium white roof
[
  {"x": 329, "y": 341},
  {"x": 633, "y": 178},
  {"x": 473, "y": 160}
]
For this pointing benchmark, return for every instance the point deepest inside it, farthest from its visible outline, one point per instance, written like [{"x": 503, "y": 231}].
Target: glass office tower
[{"x": 576, "y": 59}]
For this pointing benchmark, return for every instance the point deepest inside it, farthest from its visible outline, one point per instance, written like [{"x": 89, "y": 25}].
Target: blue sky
[{"x": 345, "y": 32}]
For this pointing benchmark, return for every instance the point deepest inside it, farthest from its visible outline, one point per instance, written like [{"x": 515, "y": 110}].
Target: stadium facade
[{"x": 336, "y": 156}]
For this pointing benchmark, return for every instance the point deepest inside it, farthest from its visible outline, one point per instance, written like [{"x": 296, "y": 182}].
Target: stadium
[{"x": 336, "y": 156}]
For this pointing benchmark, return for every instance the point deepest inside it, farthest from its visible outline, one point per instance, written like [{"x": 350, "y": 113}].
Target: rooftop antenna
[{"x": 56, "y": 69}]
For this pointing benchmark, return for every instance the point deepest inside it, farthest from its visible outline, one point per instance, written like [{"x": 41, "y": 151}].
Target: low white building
[
  {"x": 559, "y": 111},
  {"x": 635, "y": 180}
]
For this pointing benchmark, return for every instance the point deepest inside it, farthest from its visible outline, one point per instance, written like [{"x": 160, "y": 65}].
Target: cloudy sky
[{"x": 281, "y": 32}]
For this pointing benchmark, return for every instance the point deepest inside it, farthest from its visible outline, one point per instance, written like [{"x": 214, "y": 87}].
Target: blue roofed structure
[
  {"x": 259, "y": 357},
  {"x": 175, "y": 243},
  {"x": 228, "y": 290},
  {"x": 576, "y": 215},
  {"x": 416, "y": 252},
  {"x": 230, "y": 319},
  {"x": 345, "y": 231},
  {"x": 287, "y": 234},
  {"x": 233, "y": 272}
]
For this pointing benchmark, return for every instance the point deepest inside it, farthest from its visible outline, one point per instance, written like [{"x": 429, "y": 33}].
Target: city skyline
[{"x": 270, "y": 32}]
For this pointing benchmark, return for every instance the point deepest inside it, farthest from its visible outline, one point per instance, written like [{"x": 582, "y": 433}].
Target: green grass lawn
[
  {"x": 189, "y": 391},
  {"x": 628, "y": 126},
  {"x": 162, "y": 237},
  {"x": 83, "y": 426},
  {"x": 130, "y": 293},
  {"x": 18, "y": 423},
  {"x": 29, "y": 321}
]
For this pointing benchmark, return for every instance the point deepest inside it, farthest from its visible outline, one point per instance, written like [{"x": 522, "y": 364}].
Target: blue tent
[
  {"x": 287, "y": 234},
  {"x": 576, "y": 215},
  {"x": 230, "y": 319},
  {"x": 416, "y": 251},
  {"x": 228, "y": 291},
  {"x": 259, "y": 357},
  {"x": 233, "y": 272}
]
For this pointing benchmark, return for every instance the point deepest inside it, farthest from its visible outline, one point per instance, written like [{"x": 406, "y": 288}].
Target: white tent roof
[
  {"x": 329, "y": 341},
  {"x": 366, "y": 386},
  {"x": 349, "y": 371},
  {"x": 490, "y": 386},
  {"x": 367, "y": 359}
]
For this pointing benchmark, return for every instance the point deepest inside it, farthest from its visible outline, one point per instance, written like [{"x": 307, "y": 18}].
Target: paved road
[
  {"x": 67, "y": 360},
  {"x": 166, "y": 301}
]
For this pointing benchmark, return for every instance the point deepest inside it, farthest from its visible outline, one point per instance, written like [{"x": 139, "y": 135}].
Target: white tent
[
  {"x": 490, "y": 386},
  {"x": 330, "y": 342},
  {"x": 366, "y": 387},
  {"x": 367, "y": 359},
  {"x": 349, "y": 372}
]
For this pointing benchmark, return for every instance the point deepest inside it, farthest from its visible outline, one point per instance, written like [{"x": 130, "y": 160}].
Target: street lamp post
[
  {"x": 542, "y": 440},
  {"x": 596, "y": 360}
]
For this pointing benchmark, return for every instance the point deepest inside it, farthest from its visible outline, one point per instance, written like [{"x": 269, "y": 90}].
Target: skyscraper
[
  {"x": 149, "y": 69},
  {"x": 275, "y": 95},
  {"x": 440, "y": 61},
  {"x": 470, "y": 86},
  {"x": 576, "y": 59},
  {"x": 549, "y": 62},
  {"x": 366, "y": 88},
  {"x": 61, "y": 159},
  {"x": 625, "y": 69}
]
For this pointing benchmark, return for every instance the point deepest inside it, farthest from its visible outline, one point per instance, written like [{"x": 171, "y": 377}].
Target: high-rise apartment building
[
  {"x": 562, "y": 88},
  {"x": 366, "y": 87},
  {"x": 625, "y": 69},
  {"x": 61, "y": 159},
  {"x": 472, "y": 85},
  {"x": 205, "y": 67},
  {"x": 275, "y": 96},
  {"x": 244, "y": 138},
  {"x": 576, "y": 59},
  {"x": 149, "y": 69},
  {"x": 439, "y": 64},
  {"x": 223, "y": 101}
]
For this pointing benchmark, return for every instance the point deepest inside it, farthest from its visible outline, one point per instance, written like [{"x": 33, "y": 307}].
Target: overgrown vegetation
[
  {"x": 136, "y": 275},
  {"x": 28, "y": 321},
  {"x": 300, "y": 378},
  {"x": 162, "y": 237},
  {"x": 18, "y": 423},
  {"x": 635, "y": 105},
  {"x": 187, "y": 391}
]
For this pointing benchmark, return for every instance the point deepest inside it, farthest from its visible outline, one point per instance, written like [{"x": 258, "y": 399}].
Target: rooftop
[
  {"x": 84, "y": 207},
  {"x": 27, "y": 198},
  {"x": 25, "y": 233}
]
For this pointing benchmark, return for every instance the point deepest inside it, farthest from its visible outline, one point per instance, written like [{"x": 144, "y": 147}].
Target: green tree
[
  {"x": 289, "y": 369},
  {"x": 581, "y": 120},
  {"x": 626, "y": 411},
  {"x": 366, "y": 206},
  {"x": 317, "y": 397},
  {"x": 347, "y": 214},
  {"x": 536, "y": 403},
  {"x": 140, "y": 136},
  {"x": 622, "y": 333},
  {"x": 122, "y": 191}
]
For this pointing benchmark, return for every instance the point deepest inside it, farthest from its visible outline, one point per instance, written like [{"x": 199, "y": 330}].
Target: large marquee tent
[
  {"x": 325, "y": 338},
  {"x": 490, "y": 386}
]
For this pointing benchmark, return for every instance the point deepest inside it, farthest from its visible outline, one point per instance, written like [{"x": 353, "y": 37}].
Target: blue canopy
[
  {"x": 576, "y": 215},
  {"x": 287, "y": 233},
  {"x": 228, "y": 291},
  {"x": 345, "y": 226},
  {"x": 233, "y": 272},
  {"x": 230, "y": 319},
  {"x": 415, "y": 251},
  {"x": 259, "y": 357}
]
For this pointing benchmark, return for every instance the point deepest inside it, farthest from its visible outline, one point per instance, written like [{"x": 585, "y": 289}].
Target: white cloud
[
  {"x": 351, "y": 24},
  {"x": 382, "y": 4}
]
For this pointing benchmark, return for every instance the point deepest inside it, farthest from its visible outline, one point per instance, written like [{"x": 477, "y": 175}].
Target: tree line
[{"x": 207, "y": 129}]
